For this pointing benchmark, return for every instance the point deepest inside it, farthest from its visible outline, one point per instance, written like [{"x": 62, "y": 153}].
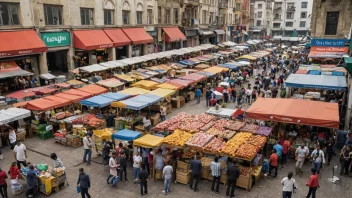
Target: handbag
[{"x": 78, "y": 189}]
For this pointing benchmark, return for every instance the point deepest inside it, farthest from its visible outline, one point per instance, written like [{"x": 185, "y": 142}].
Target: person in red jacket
[
  {"x": 15, "y": 172},
  {"x": 3, "y": 184},
  {"x": 273, "y": 162},
  {"x": 313, "y": 183}
]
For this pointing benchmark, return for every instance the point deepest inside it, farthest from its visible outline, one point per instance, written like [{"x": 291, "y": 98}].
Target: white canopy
[
  {"x": 229, "y": 43},
  {"x": 92, "y": 68},
  {"x": 13, "y": 114},
  {"x": 47, "y": 76},
  {"x": 113, "y": 64}
]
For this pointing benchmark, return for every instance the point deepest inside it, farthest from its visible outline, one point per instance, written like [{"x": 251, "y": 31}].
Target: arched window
[
  {"x": 139, "y": 13},
  {"x": 109, "y": 12},
  {"x": 126, "y": 13}
]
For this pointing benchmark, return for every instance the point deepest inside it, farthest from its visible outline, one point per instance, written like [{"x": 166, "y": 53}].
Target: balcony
[
  {"x": 223, "y": 4},
  {"x": 277, "y": 8},
  {"x": 191, "y": 2},
  {"x": 190, "y": 22},
  {"x": 277, "y": 19},
  {"x": 291, "y": 9}
]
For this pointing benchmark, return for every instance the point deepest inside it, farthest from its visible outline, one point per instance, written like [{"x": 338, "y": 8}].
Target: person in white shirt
[
  {"x": 12, "y": 138},
  {"x": 301, "y": 153},
  {"x": 318, "y": 158},
  {"x": 147, "y": 123},
  {"x": 113, "y": 167},
  {"x": 137, "y": 160},
  {"x": 87, "y": 144},
  {"x": 167, "y": 175},
  {"x": 20, "y": 154},
  {"x": 163, "y": 113},
  {"x": 289, "y": 185}
]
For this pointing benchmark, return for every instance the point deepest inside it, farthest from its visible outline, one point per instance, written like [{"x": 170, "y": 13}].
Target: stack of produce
[
  {"x": 236, "y": 126},
  {"x": 95, "y": 122},
  {"x": 177, "y": 138},
  {"x": 215, "y": 145},
  {"x": 204, "y": 118},
  {"x": 83, "y": 119},
  {"x": 191, "y": 126},
  {"x": 206, "y": 161},
  {"x": 257, "y": 140},
  {"x": 173, "y": 123},
  {"x": 228, "y": 134},
  {"x": 221, "y": 124},
  {"x": 244, "y": 170},
  {"x": 234, "y": 143},
  {"x": 198, "y": 141},
  {"x": 188, "y": 154},
  {"x": 221, "y": 133},
  {"x": 250, "y": 128},
  {"x": 246, "y": 151},
  {"x": 207, "y": 126}
]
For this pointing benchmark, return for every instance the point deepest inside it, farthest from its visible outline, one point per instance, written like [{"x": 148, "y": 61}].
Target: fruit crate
[
  {"x": 45, "y": 135},
  {"x": 183, "y": 177}
]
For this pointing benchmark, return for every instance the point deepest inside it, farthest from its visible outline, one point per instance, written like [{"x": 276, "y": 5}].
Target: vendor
[
  {"x": 159, "y": 162},
  {"x": 147, "y": 123},
  {"x": 57, "y": 161}
]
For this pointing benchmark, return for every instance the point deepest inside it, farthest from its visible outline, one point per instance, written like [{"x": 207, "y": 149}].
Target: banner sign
[{"x": 330, "y": 42}]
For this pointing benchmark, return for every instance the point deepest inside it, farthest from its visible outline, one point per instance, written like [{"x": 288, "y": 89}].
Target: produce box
[
  {"x": 223, "y": 178},
  {"x": 244, "y": 182},
  {"x": 182, "y": 165},
  {"x": 183, "y": 177},
  {"x": 205, "y": 172},
  {"x": 155, "y": 119},
  {"x": 21, "y": 136},
  {"x": 191, "y": 95},
  {"x": 175, "y": 102},
  {"x": 182, "y": 101},
  {"x": 198, "y": 141},
  {"x": 45, "y": 135}
]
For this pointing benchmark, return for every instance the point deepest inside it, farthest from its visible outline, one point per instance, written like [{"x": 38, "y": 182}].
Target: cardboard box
[
  {"x": 192, "y": 95},
  {"x": 155, "y": 119},
  {"x": 182, "y": 101},
  {"x": 175, "y": 102}
]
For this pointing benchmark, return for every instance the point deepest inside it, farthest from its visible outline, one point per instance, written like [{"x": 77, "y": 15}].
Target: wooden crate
[
  {"x": 244, "y": 182},
  {"x": 182, "y": 165},
  {"x": 223, "y": 178},
  {"x": 158, "y": 174},
  {"x": 183, "y": 177},
  {"x": 21, "y": 136},
  {"x": 205, "y": 172}
]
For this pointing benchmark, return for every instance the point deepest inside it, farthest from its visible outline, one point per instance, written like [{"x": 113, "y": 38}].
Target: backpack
[{"x": 115, "y": 180}]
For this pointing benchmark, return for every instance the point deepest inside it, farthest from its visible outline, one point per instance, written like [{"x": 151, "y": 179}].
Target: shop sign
[
  {"x": 56, "y": 39},
  {"x": 329, "y": 49},
  {"x": 330, "y": 42}
]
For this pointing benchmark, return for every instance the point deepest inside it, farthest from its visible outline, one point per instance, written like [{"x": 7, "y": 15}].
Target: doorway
[{"x": 57, "y": 61}]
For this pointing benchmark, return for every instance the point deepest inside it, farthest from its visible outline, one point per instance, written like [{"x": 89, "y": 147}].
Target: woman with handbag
[{"x": 289, "y": 186}]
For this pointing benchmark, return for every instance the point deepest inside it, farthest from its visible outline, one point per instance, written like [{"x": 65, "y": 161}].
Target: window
[
  {"x": 289, "y": 24},
  {"x": 260, "y": 14},
  {"x": 9, "y": 14},
  {"x": 290, "y": 5},
  {"x": 139, "y": 17},
  {"x": 277, "y": 16},
  {"x": 304, "y": 4},
  {"x": 303, "y": 15},
  {"x": 159, "y": 14},
  {"x": 289, "y": 15},
  {"x": 211, "y": 17},
  {"x": 109, "y": 17},
  {"x": 53, "y": 14},
  {"x": 302, "y": 24},
  {"x": 125, "y": 17},
  {"x": 276, "y": 25},
  {"x": 332, "y": 20},
  {"x": 175, "y": 15},
  {"x": 150, "y": 16},
  {"x": 238, "y": 6},
  {"x": 87, "y": 16},
  {"x": 260, "y": 6},
  {"x": 204, "y": 16},
  {"x": 167, "y": 16},
  {"x": 259, "y": 23}
]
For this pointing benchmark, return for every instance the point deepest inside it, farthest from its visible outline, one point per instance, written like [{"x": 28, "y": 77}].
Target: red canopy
[
  {"x": 72, "y": 98},
  {"x": 194, "y": 77},
  {"x": 174, "y": 34},
  {"x": 118, "y": 37},
  {"x": 42, "y": 104},
  {"x": 181, "y": 82},
  {"x": 296, "y": 111},
  {"x": 300, "y": 71},
  {"x": 91, "y": 39},
  {"x": 77, "y": 92},
  {"x": 138, "y": 35},
  {"x": 21, "y": 94},
  {"x": 62, "y": 101},
  {"x": 94, "y": 89}
]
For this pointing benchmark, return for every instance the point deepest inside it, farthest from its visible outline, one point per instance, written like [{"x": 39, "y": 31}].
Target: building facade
[
  {"x": 291, "y": 18},
  {"x": 331, "y": 19},
  {"x": 260, "y": 19}
]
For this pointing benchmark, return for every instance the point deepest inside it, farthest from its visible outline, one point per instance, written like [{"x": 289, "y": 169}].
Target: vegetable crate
[
  {"x": 183, "y": 177},
  {"x": 182, "y": 165},
  {"x": 45, "y": 135}
]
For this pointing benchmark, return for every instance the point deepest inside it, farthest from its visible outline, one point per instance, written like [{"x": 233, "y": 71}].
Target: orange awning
[
  {"x": 91, "y": 39},
  {"x": 184, "y": 83},
  {"x": 19, "y": 43},
  {"x": 42, "y": 104},
  {"x": 138, "y": 35},
  {"x": 174, "y": 34},
  {"x": 72, "y": 98},
  {"x": 93, "y": 89},
  {"x": 20, "y": 104},
  {"x": 77, "y": 92},
  {"x": 194, "y": 77},
  {"x": 118, "y": 37},
  {"x": 295, "y": 111},
  {"x": 62, "y": 101}
]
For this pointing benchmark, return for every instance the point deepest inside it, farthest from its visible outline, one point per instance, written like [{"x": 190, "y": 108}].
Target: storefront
[
  {"x": 220, "y": 36},
  {"x": 121, "y": 42},
  {"x": 207, "y": 36},
  {"x": 58, "y": 44},
  {"x": 153, "y": 48},
  {"x": 141, "y": 41},
  {"x": 172, "y": 38},
  {"x": 91, "y": 47},
  {"x": 192, "y": 38}
]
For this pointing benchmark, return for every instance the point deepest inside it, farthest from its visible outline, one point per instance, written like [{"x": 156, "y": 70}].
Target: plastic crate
[{"x": 45, "y": 135}]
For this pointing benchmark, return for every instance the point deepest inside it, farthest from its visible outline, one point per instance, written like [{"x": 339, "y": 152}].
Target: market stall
[
  {"x": 93, "y": 89},
  {"x": 134, "y": 91},
  {"x": 75, "y": 83},
  {"x": 93, "y": 70},
  {"x": 112, "y": 84},
  {"x": 145, "y": 84}
]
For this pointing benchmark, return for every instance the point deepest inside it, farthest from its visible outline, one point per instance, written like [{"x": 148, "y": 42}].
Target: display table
[{"x": 222, "y": 112}]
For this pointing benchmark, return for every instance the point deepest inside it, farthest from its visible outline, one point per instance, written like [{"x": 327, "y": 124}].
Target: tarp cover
[
  {"x": 97, "y": 101},
  {"x": 139, "y": 102},
  {"x": 126, "y": 135},
  {"x": 42, "y": 104},
  {"x": 296, "y": 111},
  {"x": 13, "y": 114},
  {"x": 148, "y": 141},
  {"x": 184, "y": 83},
  {"x": 116, "y": 96},
  {"x": 93, "y": 89},
  {"x": 316, "y": 82},
  {"x": 169, "y": 86},
  {"x": 162, "y": 92},
  {"x": 194, "y": 77},
  {"x": 147, "y": 84},
  {"x": 72, "y": 98},
  {"x": 62, "y": 101},
  {"x": 134, "y": 91}
]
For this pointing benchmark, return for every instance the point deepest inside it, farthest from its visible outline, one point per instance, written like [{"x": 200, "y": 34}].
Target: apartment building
[
  {"x": 291, "y": 18},
  {"x": 260, "y": 19}
]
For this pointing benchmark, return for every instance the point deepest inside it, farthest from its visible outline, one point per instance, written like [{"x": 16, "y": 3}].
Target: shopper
[
  {"x": 12, "y": 138},
  {"x": 301, "y": 153},
  {"x": 32, "y": 182},
  {"x": 145, "y": 153},
  {"x": 147, "y": 123},
  {"x": 20, "y": 154},
  {"x": 313, "y": 183},
  {"x": 273, "y": 162},
  {"x": 318, "y": 159},
  {"x": 143, "y": 179},
  {"x": 123, "y": 165},
  {"x": 3, "y": 184},
  {"x": 87, "y": 144},
  {"x": 215, "y": 168},
  {"x": 208, "y": 95},
  {"x": 83, "y": 183},
  {"x": 196, "y": 168},
  {"x": 278, "y": 148},
  {"x": 198, "y": 94},
  {"x": 14, "y": 171},
  {"x": 289, "y": 185},
  {"x": 285, "y": 151},
  {"x": 345, "y": 159},
  {"x": 233, "y": 173},
  {"x": 137, "y": 161},
  {"x": 330, "y": 149},
  {"x": 167, "y": 175},
  {"x": 113, "y": 169},
  {"x": 163, "y": 113}
]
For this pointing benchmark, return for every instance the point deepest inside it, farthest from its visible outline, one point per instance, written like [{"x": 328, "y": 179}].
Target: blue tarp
[
  {"x": 134, "y": 105},
  {"x": 207, "y": 74},
  {"x": 116, "y": 96},
  {"x": 97, "y": 101},
  {"x": 316, "y": 82},
  {"x": 141, "y": 101},
  {"x": 338, "y": 73},
  {"x": 126, "y": 135},
  {"x": 314, "y": 72}
]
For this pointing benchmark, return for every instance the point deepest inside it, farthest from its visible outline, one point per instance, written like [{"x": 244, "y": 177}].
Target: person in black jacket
[
  {"x": 233, "y": 172},
  {"x": 196, "y": 168},
  {"x": 83, "y": 183},
  {"x": 208, "y": 94},
  {"x": 143, "y": 179},
  {"x": 123, "y": 164}
]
